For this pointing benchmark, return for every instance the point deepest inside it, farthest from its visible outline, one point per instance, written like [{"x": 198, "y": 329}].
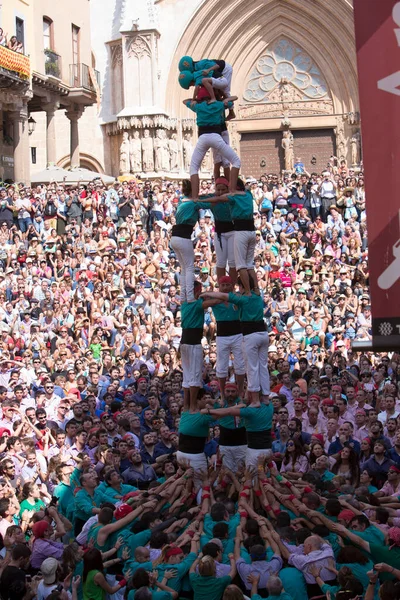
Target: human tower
[{"x": 245, "y": 419}]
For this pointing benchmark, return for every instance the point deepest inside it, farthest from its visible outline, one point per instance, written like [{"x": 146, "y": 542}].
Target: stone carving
[
  {"x": 139, "y": 46},
  {"x": 234, "y": 137},
  {"x": 124, "y": 155},
  {"x": 135, "y": 153},
  {"x": 116, "y": 55},
  {"x": 355, "y": 149},
  {"x": 282, "y": 64},
  {"x": 340, "y": 140},
  {"x": 161, "y": 151},
  {"x": 165, "y": 162},
  {"x": 187, "y": 152},
  {"x": 274, "y": 109},
  {"x": 147, "y": 152},
  {"x": 158, "y": 151},
  {"x": 287, "y": 145},
  {"x": 174, "y": 153}
]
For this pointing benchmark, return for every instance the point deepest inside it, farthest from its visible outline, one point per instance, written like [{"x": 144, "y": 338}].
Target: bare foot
[{"x": 231, "y": 115}]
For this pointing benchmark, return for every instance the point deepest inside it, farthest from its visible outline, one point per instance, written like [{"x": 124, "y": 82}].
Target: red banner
[{"x": 377, "y": 24}]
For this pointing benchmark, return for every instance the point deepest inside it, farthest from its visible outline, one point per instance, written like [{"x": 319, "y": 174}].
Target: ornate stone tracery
[
  {"x": 139, "y": 46},
  {"x": 285, "y": 73}
]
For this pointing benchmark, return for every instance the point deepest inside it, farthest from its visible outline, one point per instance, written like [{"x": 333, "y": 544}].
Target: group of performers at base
[{"x": 241, "y": 330}]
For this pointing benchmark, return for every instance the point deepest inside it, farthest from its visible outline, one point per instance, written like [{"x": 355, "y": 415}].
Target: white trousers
[
  {"x": 245, "y": 245},
  {"x": 255, "y": 346},
  {"x": 224, "y": 83},
  {"x": 192, "y": 365},
  {"x": 183, "y": 249},
  {"x": 212, "y": 140},
  {"x": 224, "y": 244},
  {"x": 226, "y": 345},
  {"x": 252, "y": 456},
  {"x": 217, "y": 158},
  {"x": 232, "y": 456},
  {"x": 198, "y": 462}
]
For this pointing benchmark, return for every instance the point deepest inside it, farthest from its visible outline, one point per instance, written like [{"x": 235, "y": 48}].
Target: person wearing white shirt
[
  {"x": 315, "y": 552},
  {"x": 390, "y": 412}
]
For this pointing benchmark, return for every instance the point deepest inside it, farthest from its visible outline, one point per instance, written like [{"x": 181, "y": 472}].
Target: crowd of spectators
[{"x": 92, "y": 501}]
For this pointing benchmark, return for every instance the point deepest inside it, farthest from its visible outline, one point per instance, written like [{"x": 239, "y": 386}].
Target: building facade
[
  {"x": 294, "y": 66},
  {"x": 45, "y": 89}
]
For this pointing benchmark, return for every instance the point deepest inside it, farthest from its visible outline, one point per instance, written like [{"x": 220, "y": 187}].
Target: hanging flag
[{"x": 377, "y": 25}]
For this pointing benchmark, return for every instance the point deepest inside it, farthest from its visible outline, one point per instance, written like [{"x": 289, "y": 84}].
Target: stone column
[
  {"x": 74, "y": 115},
  {"x": 21, "y": 145},
  {"x": 50, "y": 109}
]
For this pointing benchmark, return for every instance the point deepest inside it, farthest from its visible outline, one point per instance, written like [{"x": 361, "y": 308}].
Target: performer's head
[
  {"x": 225, "y": 284},
  {"x": 231, "y": 391},
  {"x": 221, "y": 186},
  {"x": 185, "y": 79},
  {"x": 187, "y": 188},
  {"x": 240, "y": 186},
  {"x": 197, "y": 289},
  {"x": 186, "y": 64}
]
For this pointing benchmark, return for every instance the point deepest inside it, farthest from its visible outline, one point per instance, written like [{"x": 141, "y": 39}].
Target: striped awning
[{"x": 14, "y": 61}]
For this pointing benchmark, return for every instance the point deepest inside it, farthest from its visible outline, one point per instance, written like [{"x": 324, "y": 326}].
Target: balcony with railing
[
  {"x": 52, "y": 63},
  {"x": 15, "y": 69},
  {"x": 85, "y": 77}
]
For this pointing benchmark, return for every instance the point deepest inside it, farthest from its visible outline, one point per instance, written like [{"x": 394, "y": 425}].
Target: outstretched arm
[{"x": 215, "y": 296}]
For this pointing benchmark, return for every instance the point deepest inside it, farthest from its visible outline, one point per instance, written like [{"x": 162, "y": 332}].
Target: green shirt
[
  {"x": 156, "y": 594},
  {"x": 359, "y": 571},
  {"x": 208, "y": 588},
  {"x": 241, "y": 206},
  {"x": 230, "y": 422},
  {"x": 199, "y": 67},
  {"x": 66, "y": 501},
  {"x": 257, "y": 419},
  {"x": 390, "y": 556},
  {"x": 133, "y": 566},
  {"x": 25, "y": 505},
  {"x": 91, "y": 591},
  {"x": 181, "y": 568},
  {"x": 372, "y": 534},
  {"x": 106, "y": 493},
  {"x": 294, "y": 583},
  {"x": 195, "y": 424},
  {"x": 226, "y": 312},
  {"x": 192, "y": 314},
  {"x": 84, "y": 504},
  {"x": 251, "y": 308},
  {"x": 222, "y": 212},
  {"x": 187, "y": 212},
  {"x": 208, "y": 115}
]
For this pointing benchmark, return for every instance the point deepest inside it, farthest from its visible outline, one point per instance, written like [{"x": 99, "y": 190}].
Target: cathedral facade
[{"x": 294, "y": 72}]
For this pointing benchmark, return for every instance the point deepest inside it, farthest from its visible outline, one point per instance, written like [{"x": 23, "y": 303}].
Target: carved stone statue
[
  {"x": 135, "y": 150},
  {"x": 174, "y": 153},
  {"x": 158, "y": 151},
  {"x": 187, "y": 152},
  {"x": 165, "y": 162},
  {"x": 355, "y": 149},
  {"x": 124, "y": 154},
  {"x": 340, "y": 140},
  {"x": 147, "y": 152},
  {"x": 287, "y": 145}
]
